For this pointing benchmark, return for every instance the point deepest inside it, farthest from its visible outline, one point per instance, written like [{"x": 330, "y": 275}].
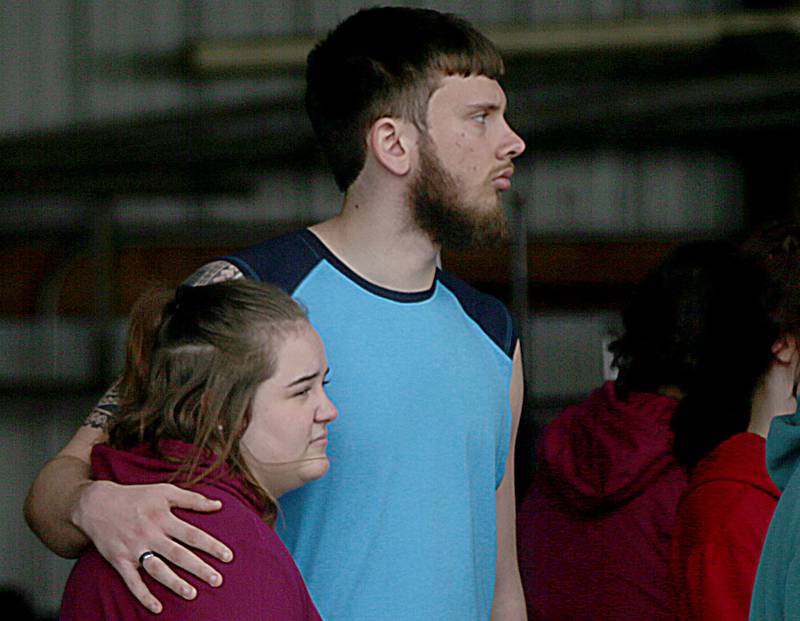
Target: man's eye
[{"x": 481, "y": 117}]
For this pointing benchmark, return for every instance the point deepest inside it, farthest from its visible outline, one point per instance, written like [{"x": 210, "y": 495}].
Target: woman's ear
[
  {"x": 784, "y": 348},
  {"x": 391, "y": 142}
]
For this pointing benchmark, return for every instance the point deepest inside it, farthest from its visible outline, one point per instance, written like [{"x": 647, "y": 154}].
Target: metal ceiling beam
[
  {"x": 563, "y": 91},
  {"x": 259, "y": 55}
]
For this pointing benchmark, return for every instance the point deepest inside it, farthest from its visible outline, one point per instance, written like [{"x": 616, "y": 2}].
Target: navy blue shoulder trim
[
  {"x": 322, "y": 251},
  {"x": 488, "y": 312},
  {"x": 283, "y": 261}
]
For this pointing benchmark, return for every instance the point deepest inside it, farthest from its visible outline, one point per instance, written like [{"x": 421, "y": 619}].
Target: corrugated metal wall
[
  {"x": 67, "y": 61},
  {"x": 77, "y": 60}
]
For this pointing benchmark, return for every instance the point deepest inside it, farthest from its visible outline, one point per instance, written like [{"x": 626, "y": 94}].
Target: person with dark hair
[
  {"x": 417, "y": 520},
  {"x": 720, "y": 434},
  {"x": 775, "y": 588},
  {"x": 594, "y": 529},
  {"x": 223, "y": 393}
]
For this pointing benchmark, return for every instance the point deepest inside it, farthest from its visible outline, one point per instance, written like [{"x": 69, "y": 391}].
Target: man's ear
[
  {"x": 784, "y": 348},
  {"x": 391, "y": 141}
]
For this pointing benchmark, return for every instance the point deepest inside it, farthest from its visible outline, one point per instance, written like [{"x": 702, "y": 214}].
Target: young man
[{"x": 416, "y": 518}]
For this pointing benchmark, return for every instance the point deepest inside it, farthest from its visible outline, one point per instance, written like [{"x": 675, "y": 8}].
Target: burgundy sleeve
[{"x": 261, "y": 583}]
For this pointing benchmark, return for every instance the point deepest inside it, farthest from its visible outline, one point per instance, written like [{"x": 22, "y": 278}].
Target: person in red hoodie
[
  {"x": 595, "y": 527},
  {"x": 223, "y": 393},
  {"x": 724, "y": 515}
]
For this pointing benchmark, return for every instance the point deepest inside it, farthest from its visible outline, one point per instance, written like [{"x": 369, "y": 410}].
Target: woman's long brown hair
[{"x": 194, "y": 360}]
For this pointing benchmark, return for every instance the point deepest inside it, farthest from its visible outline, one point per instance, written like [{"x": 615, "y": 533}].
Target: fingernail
[
  {"x": 227, "y": 556},
  {"x": 215, "y": 580},
  {"x": 155, "y": 607},
  {"x": 188, "y": 592}
]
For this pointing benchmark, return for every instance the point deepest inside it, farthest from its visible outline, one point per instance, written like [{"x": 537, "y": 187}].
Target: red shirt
[{"x": 722, "y": 522}]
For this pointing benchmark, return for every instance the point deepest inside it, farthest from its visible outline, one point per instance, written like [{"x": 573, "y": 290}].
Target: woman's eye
[
  {"x": 481, "y": 118},
  {"x": 303, "y": 393}
]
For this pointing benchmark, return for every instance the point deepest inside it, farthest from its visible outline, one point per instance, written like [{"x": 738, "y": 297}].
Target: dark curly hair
[{"x": 702, "y": 322}]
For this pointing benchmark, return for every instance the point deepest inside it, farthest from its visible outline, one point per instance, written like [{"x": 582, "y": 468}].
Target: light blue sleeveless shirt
[{"x": 403, "y": 525}]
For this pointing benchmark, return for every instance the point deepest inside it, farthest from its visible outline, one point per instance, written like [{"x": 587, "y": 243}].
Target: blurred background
[{"x": 141, "y": 138}]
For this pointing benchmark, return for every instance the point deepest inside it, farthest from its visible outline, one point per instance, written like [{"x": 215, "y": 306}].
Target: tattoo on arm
[
  {"x": 216, "y": 271},
  {"x": 105, "y": 409},
  {"x": 100, "y": 416}
]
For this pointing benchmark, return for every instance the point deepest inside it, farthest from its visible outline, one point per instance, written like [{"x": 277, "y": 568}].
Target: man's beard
[{"x": 441, "y": 211}]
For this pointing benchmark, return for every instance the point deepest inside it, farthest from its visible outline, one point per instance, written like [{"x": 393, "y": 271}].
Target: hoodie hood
[
  {"x": 141, "y": 465},
  {"x": 783, "y": 448},
  {"x": 741, "y": 459},
  {"x": 606, "y": 450}
]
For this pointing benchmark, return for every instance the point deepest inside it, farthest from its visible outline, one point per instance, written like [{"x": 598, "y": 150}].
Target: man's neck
[{"x": 379, "y": 242}]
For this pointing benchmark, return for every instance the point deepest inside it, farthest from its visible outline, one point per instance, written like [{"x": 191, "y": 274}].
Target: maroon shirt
[
  {"x": 594, "y": 529},
  {"x": 261, "y": 583}
]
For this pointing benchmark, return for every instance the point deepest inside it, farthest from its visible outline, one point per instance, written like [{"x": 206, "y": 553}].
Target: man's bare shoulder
[{"x": 215, "y": 271}]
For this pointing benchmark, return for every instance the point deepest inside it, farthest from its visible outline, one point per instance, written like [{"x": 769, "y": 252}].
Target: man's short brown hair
[{"x": 386, "y": 62}]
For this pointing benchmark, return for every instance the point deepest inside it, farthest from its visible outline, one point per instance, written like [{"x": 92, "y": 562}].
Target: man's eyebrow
[{"x": 485, "y": 105}]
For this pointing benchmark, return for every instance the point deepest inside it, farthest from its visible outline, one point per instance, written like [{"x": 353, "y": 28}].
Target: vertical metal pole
[
  {"x": 793, "y": 211},
  {"x": 526, "y": 436},
  {"x": 102, "y": 245},
  {"x": 519, "y": 276},
  {"x": 79, "y": 79}
]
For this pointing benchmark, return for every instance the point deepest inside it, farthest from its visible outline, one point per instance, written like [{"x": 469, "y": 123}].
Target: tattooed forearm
[
  {"x": 216, "y": 271},
  {"x": 100, "y": 417},
  {"x": 105, "y": 410}
]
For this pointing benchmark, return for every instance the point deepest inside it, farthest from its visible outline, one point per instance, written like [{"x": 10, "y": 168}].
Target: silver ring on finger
[{"x": 146, "y": 555}]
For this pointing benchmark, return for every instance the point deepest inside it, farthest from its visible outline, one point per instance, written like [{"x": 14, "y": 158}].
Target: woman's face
[{"x": 285, "y": 443}]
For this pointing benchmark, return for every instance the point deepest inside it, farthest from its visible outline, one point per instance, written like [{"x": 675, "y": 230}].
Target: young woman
[
  {"x": 223, "y": 393},
  {"x": 721, "y": 435},
  {"x": 594, "y": 529}
]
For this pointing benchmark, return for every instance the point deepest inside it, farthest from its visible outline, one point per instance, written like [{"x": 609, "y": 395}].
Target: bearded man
[{"x": 415, "y": 519}]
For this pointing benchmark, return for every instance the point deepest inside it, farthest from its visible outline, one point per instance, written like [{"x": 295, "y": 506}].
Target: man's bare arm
[
  {"x": 66, "y": 509},
  {"x": 509, "y": 598},
  {"x": 61, "y": 479},
  {"x": 54, "y": 493}
]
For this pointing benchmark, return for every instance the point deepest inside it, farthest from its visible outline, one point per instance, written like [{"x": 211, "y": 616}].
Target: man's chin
[
  {"x": 456, "y": 224},
  {"x": 485, "y": 234},
  {"x": 491, "y": 238},
  {"x": 491, "y": 227}
]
